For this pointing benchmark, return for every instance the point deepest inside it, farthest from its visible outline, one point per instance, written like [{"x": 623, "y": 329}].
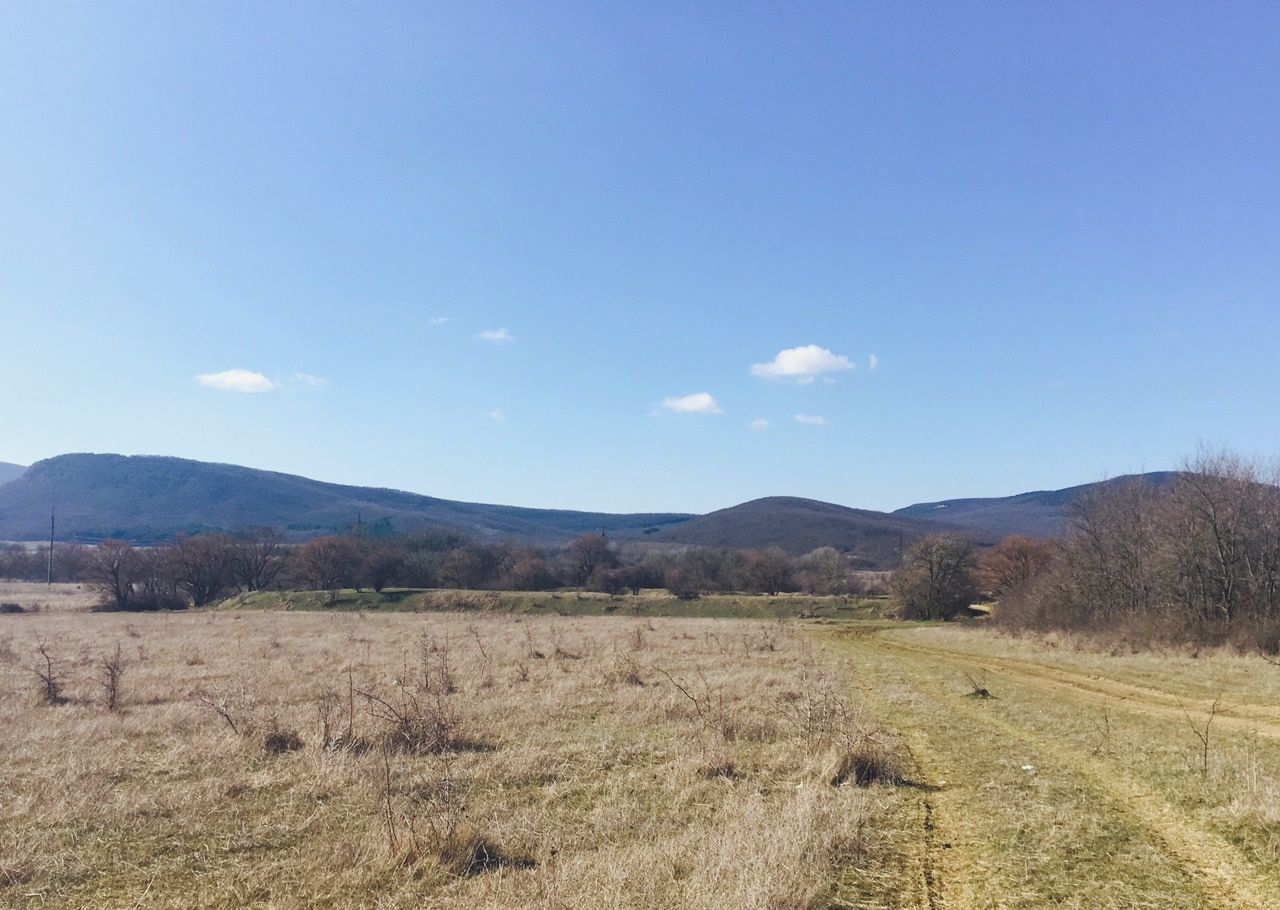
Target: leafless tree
[
  {"x": 936, "y": 578},
  {"x": 115, "y": 570},
  {"x": 257, "y": 558},
  {"x": 202, "y": 566}
]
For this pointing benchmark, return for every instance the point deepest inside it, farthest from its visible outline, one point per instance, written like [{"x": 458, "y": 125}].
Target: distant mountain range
[
  {"x": 147, "y": 498},
  {"x": 150, "y": 498},
  {"x": 10, "y": 472},
  {"x": 1041, "y": 514}
]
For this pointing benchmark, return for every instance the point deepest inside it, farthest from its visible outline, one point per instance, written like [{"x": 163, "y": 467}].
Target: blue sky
[{"x": 1055, "y": 226}]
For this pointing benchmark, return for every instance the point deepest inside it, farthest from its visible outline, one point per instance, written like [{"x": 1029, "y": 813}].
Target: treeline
[
  {"x": 202, "y": 569},
  {"x": 1197, "y": 559},
  {"x": 22, "y": 563}
]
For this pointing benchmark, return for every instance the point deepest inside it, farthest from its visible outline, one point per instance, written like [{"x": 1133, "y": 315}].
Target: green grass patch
[{"x": 565, "y": 603}]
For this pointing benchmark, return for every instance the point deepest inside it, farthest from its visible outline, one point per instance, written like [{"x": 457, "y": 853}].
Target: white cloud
[
  {"x": 496, "y": 415},
  {"x": 313, "y": 382},
  {"x": 1057, "y": 385},
  {"x": 872, "y": 362},
  {"x": 237, "y": 381},
  {"x": 697, "y": 403},
  {"x": 802, "y": 364},
  {"x": 759, "y": 424},
  {"x": 497, "y": 336},
  {"x": 812, "y": 420},
  {"x": 438, "y": 320}
]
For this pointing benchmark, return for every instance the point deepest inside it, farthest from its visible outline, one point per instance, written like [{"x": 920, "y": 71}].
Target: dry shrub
[
  {"x": 865, "y": 760},
  {"x": 49, "y": 674},
  {"x": 466, "y": 852},
  {"x": 277, "y": 741}
]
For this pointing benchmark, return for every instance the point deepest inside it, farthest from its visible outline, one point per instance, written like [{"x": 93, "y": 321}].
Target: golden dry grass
[
  {"x": 36, "y": 596},
  {"x": 574, "y": 771}
]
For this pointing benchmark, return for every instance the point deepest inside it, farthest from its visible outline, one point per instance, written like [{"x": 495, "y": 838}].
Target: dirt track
[{"x": 962, "y": 807}]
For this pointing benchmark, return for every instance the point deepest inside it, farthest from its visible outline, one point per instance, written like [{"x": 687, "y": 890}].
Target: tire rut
[
  {"x": 1224, "y": 876},
  {"x": 1263, "y": 720}
]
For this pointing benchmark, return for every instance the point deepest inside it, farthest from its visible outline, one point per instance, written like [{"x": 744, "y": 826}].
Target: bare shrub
[
  {"x": 47, "y": 671},
  {"x": 111, "y": 670}
]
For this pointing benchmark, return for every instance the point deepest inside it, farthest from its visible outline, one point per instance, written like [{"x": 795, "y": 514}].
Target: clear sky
[{"x": 553, "y": 255}]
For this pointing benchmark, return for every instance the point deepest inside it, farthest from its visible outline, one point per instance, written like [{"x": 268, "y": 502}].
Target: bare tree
[
  {"x": 327, "y": 563},
  {"x": 589, "y": 552},
  {"x": 115, "y": 570},
  {"x": 766, "y": 571},
  {"x": 202, "y": 566},
  {"x": 936, "y": 578},
  {"x": 257, "y": 558}
]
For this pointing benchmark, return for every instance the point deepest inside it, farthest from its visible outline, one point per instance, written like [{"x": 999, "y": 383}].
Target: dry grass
[
  {"x": 38, "y": 597},
  {"x": 340, "y": 760}
]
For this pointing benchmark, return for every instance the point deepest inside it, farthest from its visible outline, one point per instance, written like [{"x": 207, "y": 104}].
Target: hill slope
[
  {"x": 146, "y": 498},
  {"x": 10, "y": 472},
  {"x": 1044, "y": 513},
  {"x": 800, "y": 525}
]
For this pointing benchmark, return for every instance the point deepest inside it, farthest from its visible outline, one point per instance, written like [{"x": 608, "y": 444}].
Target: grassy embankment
[{"x": 566, "y": 603}]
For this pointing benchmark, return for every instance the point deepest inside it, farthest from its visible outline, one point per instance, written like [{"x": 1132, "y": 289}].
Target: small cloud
[
  {"x": 1057, "y": 385},
  {"x": 438, "y": 320},
  {"x": 237, "y": 381},
  {"x": 812, "y": 420},
  {"x": 872, "y": 361},
  {"x": 498, "y": 336},
  {"x": 697, "y": 403},
  {"x": 802, "y": 364},
  {"x": 759, "y": 424},
  {"x": 311, "y": 382},
  {"x": 496, "y": 415}
]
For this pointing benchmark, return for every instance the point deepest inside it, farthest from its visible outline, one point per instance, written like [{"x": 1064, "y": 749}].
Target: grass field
[
  {"x": 491, "y": 756},
  {"x": 58, "y": 597},
  {"x": 288, "y": 759},
  {"x": 1081, "y": 781}
]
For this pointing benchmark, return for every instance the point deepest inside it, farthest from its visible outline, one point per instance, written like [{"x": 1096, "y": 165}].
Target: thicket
[
  {"x": 201, "y": 569},
  {"x": 1194, "y": 560}
]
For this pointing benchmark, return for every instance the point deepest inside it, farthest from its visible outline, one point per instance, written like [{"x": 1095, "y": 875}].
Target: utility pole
[{"x": 52, "y": 515}]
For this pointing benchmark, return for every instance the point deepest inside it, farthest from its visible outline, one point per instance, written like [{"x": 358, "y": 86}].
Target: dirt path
[
  {"x": 1260, "y": 719},
  {"x": 1078, "y": 830}
]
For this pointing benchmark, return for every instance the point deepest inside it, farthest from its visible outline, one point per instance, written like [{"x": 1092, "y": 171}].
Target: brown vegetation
[
  {"x": 1196, "y": 560},
  {"x": 451, "y": 761}
]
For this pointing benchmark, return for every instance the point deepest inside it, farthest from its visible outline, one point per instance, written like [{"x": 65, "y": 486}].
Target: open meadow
[
  {"x": 487, "y": 757},
  {"x": 291, "y": 759}
]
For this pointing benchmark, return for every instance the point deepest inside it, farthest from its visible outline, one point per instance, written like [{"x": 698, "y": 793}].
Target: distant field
[
  {"x": 568, "y": 603},
  {"x": 58, "y": 597}
]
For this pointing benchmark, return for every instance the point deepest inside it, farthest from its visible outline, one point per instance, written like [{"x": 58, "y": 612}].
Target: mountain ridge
[
  {"x": 146, "y": 498},
  {"x": 10, "y": 471},
  {"x": 1039, "y": 513},
  {"x": 150, "y": 497}
]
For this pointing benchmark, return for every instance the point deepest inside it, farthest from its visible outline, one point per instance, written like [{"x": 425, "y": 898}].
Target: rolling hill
[
  {"x": 10, "y": 472},
  {"x": 1044, "y": 513},
  {"x": 147, "y": 498},
  {"x": 799, "y": 525}
]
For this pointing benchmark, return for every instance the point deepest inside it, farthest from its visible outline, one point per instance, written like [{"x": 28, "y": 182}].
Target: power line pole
[{"x": 52, "y": 515}]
